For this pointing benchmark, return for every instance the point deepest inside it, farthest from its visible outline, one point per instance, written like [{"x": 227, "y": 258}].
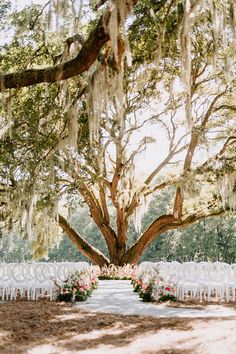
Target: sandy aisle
[{"x": 117, "y": 296}]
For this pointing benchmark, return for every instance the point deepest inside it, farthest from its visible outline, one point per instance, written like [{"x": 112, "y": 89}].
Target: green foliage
[
  {"x": 15, "y": 249},
  {"x": 213, "y": 239},
  {"x": 65, "y": 251},
  {"x": 151, "y": 23},
  {"x": 167, "y": 297},
  {"x": 146, "y": 295}
]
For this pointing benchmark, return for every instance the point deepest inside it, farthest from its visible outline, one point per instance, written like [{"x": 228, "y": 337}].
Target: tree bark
[
  {"x": 158, "y": 227},
  {"x": 81, "y": 63},
  {"x": 83, "y": 246}
]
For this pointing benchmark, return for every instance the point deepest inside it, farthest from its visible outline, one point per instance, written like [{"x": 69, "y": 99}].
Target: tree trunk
[
  {"x": 118, "y": 255},
  {"x": 83, "y": 246}
]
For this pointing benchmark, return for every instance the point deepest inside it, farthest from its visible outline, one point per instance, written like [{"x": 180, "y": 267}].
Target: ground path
[
  {"x": 117, "y": 296},
  {"x": 48, "y": 327}
]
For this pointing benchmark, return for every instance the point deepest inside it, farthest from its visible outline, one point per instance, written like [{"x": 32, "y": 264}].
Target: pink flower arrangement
[
  {"x": 125, "y": 272},
  {"x": 78, "y": 286},
  {"x": 151, "y": 287}
]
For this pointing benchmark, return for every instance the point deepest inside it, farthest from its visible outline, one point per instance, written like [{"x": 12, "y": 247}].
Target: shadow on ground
[{"x": 44, "y": 327}]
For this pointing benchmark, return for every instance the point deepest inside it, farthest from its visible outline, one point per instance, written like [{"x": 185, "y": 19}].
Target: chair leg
[
  {"x": 13, "y": 293},
  {"x": 208, "y": 294},
  {"x": 233, "y": 294},
  {"x": 227, "y": 294},
  {"x": 200, "y": 294}
]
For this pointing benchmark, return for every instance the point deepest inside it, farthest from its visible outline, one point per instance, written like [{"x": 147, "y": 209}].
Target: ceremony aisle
[{"x": 117, "y": 296}]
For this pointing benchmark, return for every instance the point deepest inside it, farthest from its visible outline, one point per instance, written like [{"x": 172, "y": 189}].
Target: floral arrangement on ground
[
  {"x": 113, "y": 272},
  {"x": 151, "y": 287},
  {"x": 78, "y": 286}
]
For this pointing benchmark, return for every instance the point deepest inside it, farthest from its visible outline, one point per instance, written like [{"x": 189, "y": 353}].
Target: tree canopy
[{"x": 79, "y": 82}]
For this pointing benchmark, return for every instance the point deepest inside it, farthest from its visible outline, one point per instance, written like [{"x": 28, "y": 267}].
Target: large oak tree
[{"x": 68, "y": 142}]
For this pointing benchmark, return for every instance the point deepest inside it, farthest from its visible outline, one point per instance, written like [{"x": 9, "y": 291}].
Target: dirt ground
[
  {"x": 195, "y": 304},
  {"x": 42, "y": 327}
]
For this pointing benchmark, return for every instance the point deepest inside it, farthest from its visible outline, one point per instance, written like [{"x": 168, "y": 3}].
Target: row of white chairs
[
  {"x": 34, "y": 279},
  {"x": 201, "y": 280}
]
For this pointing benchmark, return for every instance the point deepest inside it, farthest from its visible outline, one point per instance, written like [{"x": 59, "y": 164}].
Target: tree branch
[
  {"x": 76, "y": 66},
  {"x": 98, "y": 4},
  {"x": 230, "y": 141},
  {"x": 85, "y": 248},
  {"x": 159, "y": 226},
  {"x": 171, "y": 154}
]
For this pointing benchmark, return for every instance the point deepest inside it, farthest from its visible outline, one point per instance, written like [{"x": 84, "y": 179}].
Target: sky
[{"x": 21, "y": 3}]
